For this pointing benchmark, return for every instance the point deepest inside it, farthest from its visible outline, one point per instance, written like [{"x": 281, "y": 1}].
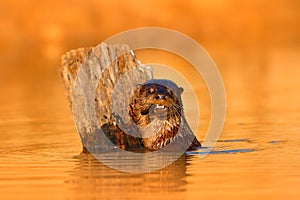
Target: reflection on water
[
  {"x": 103, "y": 182},
  {"x": 90, "y": 179}
]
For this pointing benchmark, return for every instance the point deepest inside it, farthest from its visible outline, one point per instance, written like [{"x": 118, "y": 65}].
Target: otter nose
[{"x": 159, "y": 96}]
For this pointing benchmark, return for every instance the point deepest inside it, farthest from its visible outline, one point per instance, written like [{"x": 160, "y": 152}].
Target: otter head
[{"x": 156, "y": 108}]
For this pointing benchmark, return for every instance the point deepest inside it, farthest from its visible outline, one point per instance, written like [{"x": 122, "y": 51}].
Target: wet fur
[{"x": 158, "y": 128}]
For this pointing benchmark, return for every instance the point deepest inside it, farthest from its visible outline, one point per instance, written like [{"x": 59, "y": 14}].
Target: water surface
[
  {"x": 257, "y": 155},
  {"x": 256, "y": 46}
]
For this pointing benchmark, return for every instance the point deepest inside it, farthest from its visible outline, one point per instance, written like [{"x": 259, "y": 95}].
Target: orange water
[
  {"x": 256, "y": 46},
  {"x": 40, "y": 152}
]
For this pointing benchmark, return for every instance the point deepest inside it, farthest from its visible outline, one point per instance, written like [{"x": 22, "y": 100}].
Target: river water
[
  {"x": 257, "y": 155},
  {"x": 255, "y": 44}
]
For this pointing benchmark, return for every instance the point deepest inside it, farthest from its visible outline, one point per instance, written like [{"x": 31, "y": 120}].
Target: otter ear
[
  {"x": 138, "y": 87},
  {"x": 181, "y": 90}
]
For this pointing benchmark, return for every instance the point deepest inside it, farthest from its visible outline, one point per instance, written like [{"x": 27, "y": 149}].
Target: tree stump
[{"x": 98, "y": 82}]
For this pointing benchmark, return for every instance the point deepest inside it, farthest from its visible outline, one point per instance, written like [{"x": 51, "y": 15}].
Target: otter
[
  {"x": 156, "y": 108},
  {"x": 146, "y": 116}
]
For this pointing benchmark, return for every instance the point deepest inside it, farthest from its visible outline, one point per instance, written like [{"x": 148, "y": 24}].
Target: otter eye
[{"x": 151, "y": 91}]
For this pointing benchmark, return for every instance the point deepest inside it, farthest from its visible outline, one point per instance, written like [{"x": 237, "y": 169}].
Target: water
[
  {"x": 257, "y": 155},
  {"x": 254, "y": 43}
]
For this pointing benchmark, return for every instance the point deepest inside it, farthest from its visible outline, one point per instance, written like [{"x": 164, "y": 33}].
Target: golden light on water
[{"x": 256, "y": 46}]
